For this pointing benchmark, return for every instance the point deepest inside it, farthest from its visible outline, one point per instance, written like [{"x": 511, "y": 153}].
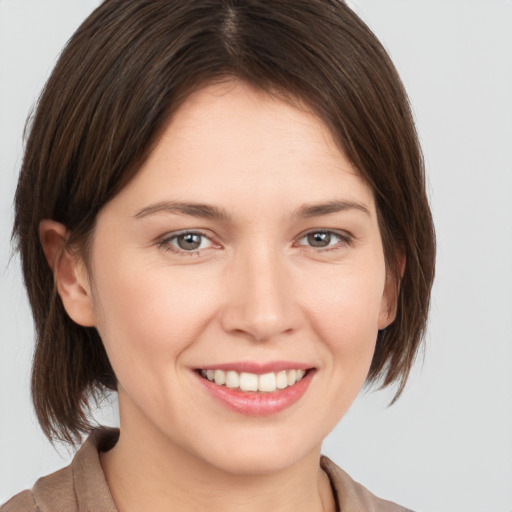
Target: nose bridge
[{"x": 259, "y": 301}]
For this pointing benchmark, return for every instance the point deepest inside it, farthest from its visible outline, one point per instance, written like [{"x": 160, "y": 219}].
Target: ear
[
  {"x": 389, "y": 303},
  {"x": 69, "y": 273}
]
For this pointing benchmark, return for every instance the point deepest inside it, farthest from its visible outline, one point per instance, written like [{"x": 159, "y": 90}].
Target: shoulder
[
  {"x": 79, "y": 486},
  {"x": 351, "y": 495},
  {"x": 55, "y": 490},
  {"x": 22, "y": 502}
]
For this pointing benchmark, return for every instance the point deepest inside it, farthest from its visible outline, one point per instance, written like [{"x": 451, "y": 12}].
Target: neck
[{"x": 151, "y": 473}]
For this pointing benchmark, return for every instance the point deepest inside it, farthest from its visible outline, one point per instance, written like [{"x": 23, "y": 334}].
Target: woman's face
[{"x": 246, "y": 247}]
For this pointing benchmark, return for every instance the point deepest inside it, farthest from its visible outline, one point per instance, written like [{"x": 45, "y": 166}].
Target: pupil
[
  {"x": 319, "y": 239},
  {"x": 189, "y": 241}
]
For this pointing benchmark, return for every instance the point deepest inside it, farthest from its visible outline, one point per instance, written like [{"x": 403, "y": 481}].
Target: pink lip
[{"x": 258, "y": 403}]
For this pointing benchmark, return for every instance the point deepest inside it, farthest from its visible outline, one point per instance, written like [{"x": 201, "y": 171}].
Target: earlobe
[
  {"x": 391, "y": 294},
  {"x": 69, "y": 273},
  {"x": 389, "y": 303}
]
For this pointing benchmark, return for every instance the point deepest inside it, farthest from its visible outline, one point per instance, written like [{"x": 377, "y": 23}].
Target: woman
[{"x": 229, "y": 227}]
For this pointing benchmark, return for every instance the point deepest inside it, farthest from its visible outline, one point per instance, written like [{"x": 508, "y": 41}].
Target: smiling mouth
[{"x": 252, "y": 382}]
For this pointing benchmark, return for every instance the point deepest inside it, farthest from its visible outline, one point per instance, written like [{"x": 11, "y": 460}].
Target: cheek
[
  {"x": 348, "y": 300},
  {"x": 146, "y": 317},
  {"x": 344, "y": 312}
]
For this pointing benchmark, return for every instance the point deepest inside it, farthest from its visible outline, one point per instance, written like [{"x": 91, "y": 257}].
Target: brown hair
[{"x": 122, "y": 74}]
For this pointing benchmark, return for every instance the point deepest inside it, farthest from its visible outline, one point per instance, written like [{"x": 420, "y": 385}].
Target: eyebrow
[
  {"x": 206, "y": 211},
  {"x": 317, "y": 210}
]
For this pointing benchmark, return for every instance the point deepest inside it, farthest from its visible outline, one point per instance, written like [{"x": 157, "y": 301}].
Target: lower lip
[{"x": 258, "y": 403}]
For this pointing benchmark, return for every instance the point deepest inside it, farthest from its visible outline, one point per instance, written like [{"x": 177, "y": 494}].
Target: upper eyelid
[
  {"x": 344, "y": 235},
  {"x": 171, "y": 236}
]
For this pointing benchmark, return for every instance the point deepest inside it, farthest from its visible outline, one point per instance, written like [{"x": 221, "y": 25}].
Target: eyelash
[
  {"x": 344, "y": 239},
  {"x": 166, "y": 243}
]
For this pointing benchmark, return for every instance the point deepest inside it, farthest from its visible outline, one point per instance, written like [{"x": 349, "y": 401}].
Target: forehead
[
  {"x": 231, "y": 143},
  {"x": 236, "y": 111}
]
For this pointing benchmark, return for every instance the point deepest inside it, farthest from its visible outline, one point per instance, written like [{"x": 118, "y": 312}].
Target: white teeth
[
  {"x": 282, "y": 380},
  {"x": 220, "y": 377},
  {"x": 232, "y": 379},
  {"x": 245, "y": 381},
  {"x": 267, "y": 382},
  {"x": 249, "y": 382}
]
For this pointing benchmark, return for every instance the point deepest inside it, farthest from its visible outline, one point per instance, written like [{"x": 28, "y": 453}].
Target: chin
[
  {"x": 263, "y": 463},
  {"x": 254, "y": 456}
]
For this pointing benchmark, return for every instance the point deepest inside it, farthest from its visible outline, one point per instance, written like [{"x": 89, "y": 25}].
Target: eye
[
  {"x": 186, "y": 242},
  {"x": 324, "y": 239}
]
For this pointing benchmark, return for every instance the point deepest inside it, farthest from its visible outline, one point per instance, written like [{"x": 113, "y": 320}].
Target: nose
[{"x": 260, "y": 302}]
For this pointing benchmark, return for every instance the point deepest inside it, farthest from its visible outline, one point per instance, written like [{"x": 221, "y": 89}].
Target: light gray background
[{"x": 446, "y": 446}]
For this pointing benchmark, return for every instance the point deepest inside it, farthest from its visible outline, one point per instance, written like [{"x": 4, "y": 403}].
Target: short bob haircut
[{"x": 128, "y": 67}]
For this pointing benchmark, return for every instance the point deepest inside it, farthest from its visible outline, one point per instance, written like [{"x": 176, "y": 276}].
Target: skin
[{"x": 256, "y": 290}]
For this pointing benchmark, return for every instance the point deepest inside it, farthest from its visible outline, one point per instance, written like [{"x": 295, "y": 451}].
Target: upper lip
[{"x": 257, "y": 368}]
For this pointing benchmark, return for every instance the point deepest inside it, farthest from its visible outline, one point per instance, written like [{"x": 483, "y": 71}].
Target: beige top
[{"x": 82, "y": 486}]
